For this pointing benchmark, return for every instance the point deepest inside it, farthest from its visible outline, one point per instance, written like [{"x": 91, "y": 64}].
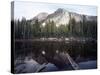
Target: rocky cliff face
[
  {"x": 40, "y": 17},
  {"x": 62, "y": 16}
]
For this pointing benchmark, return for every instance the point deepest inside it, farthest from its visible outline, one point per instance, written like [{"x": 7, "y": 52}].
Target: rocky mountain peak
[
  {"x": 61, "y": 17},
  {"x": 60, "y": 10}
]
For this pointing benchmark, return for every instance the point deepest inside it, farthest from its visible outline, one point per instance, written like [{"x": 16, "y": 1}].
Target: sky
[{"x": 31, "y": 9}]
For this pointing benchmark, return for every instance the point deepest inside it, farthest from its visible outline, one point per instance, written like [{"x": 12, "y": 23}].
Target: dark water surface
[{"x": 82, "y": 52}]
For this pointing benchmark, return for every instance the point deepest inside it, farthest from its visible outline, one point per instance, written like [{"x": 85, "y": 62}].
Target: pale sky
[{"x": 31, "y": 9}]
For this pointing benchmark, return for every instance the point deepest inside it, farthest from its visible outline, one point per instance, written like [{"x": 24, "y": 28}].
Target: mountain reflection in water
[{"x": 44, "y": 56}]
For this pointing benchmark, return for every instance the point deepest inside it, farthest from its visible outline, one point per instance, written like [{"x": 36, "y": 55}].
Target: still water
[{"x": 82, "y": 52}]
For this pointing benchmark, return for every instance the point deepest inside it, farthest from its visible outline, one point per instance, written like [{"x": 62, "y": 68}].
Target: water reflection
[{"x": 48, "y": 52}]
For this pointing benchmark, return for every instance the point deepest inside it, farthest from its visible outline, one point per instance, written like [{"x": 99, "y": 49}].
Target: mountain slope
[
  {"x": 40, "y": 17},
  {"x": 62, "y": 17}
]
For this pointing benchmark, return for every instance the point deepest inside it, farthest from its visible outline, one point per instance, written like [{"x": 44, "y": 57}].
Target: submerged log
[{"x": 61, "y": 60}]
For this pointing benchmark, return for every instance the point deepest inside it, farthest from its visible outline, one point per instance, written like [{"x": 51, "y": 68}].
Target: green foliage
[{"x": 24, "y": 29}]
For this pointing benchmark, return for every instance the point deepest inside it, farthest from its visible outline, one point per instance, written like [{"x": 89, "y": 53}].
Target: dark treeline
[{"x": 24, "y": 29}]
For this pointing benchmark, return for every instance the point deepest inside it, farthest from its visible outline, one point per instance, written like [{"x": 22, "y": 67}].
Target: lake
[{"x": 44, "y": 50}]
